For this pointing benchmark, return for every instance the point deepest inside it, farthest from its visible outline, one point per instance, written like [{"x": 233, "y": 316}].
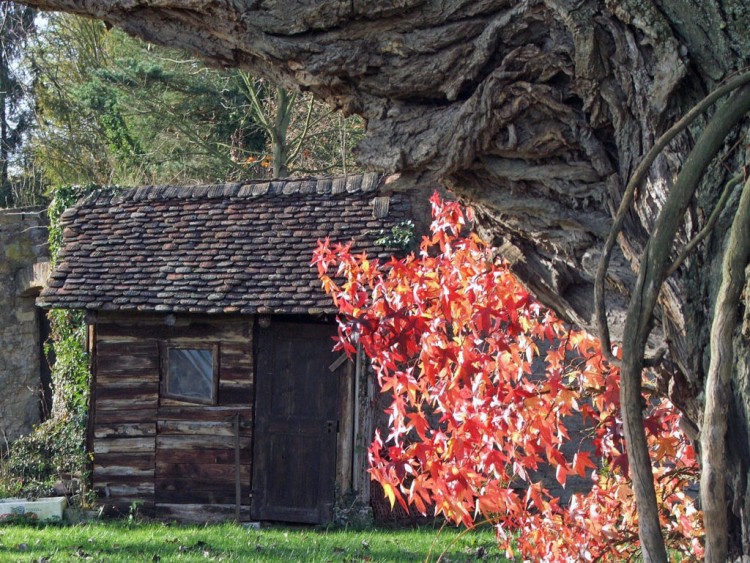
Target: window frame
[{"x": 164, "y": 387}]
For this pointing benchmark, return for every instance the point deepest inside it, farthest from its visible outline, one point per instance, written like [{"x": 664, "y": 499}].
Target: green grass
[{"x": 119, "y": 541}]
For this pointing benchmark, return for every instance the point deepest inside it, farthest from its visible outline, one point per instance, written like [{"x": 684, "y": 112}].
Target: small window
[{"x": 190, "y": 374}]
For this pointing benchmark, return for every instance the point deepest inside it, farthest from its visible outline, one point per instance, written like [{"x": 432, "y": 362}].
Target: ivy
[
  {"x": 67, "y": 345},
  {"x": 401, "y": 236}
]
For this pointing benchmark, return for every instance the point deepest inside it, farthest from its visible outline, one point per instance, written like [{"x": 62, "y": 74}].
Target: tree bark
[
  {"x": 535, "y": 111},
  {"x": 718, "y": 382},
  {"x": 279, "y": 145}
]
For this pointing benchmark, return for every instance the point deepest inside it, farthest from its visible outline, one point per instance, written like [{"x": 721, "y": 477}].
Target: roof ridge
[{"x": 349, "y": 183}]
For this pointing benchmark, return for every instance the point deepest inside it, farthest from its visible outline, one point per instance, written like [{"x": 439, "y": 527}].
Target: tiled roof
[{"x": 230, "y": 248}]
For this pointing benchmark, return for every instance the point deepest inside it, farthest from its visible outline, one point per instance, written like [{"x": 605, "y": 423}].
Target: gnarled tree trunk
[{"x": 536, "y": 112}]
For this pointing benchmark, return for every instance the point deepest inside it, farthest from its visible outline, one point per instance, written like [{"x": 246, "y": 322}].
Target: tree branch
[
  {"x": 302, "y": 137},
  {"x": 638, "y": 322}
]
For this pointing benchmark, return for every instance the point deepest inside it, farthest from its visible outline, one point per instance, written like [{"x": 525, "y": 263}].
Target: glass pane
[{"x": 191, "y": 373}]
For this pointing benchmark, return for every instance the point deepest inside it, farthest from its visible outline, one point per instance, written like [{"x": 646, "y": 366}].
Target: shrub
[{"x": 52, "y": 452}]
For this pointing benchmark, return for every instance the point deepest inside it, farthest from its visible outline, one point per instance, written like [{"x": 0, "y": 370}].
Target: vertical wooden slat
[
  {"x": 237, "y": 481},
  {"x": 345, "y": 444},
  {"x": 90, "y": 421},
  {"x": 363, "y": 431}
]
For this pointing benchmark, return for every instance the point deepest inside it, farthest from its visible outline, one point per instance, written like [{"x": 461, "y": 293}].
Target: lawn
[{"x": 119, "y": 541}]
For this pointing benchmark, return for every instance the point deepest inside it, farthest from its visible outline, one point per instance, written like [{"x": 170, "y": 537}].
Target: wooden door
[{"x": 296, "y": 421}]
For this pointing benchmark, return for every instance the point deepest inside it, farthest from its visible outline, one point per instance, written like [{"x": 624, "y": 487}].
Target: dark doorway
[
  {"x": 296, "y": 423},
  {"x": 45, "y": 361}
]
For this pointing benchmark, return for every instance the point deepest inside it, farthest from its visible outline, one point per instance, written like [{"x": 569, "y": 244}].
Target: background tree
[
  {"x": 113, "y": 109},
  {"x": 16, "y": 103},
  {"x": 538, "y": 112},
  {"x": 304, "y": 136}
]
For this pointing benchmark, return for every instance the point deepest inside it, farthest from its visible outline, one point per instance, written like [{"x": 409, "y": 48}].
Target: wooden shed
[{"x": 215, "y": 392}]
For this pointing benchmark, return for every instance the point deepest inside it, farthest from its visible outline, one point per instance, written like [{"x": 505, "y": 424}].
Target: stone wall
[{"x": 23, "y": 269}]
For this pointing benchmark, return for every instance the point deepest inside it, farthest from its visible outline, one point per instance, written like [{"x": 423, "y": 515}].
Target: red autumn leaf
[{"x": 581, "y": 462}]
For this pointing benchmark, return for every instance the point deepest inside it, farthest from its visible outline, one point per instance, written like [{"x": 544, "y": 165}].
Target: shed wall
[{"x": 175, "y": 458}]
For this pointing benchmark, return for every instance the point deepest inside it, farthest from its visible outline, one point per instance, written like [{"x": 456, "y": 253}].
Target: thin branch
[
  {"x": 302, "y": 137},
  {"x": 5, "y": 17},
  {"x": 255, "y": 103},
  {"x": 636, "y": 179},
  {"x": 708, "y": 226}
]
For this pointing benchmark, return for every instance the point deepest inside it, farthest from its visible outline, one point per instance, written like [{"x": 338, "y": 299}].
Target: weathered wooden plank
[
  {"x": 208, "y": 428},
  {"x": 132, "y": 378},
  {"x": 117, "y": 416},
  {"x": 127, "y": 389},
  {"x": 218, "y": 473},
  {"x": 204, "y": 413},
  {"x": 124, "y": 445},
  {"x": 124, "y": 430},
  {"x": 238, "y": 349},
  {"x": 131, "y": 338},
  {"x": 234, "y": 386},
  {"x": 345, "y": 439},
  {"x": 143, "y": 490},
  {"x": 234, "y": 394},
  {"x": 191, "y": 491},
  {"x": 225, "y": 456},
  {"x": 228, "y": 397},
  {"x": 201, "y": 513},
  {"x": 198, "y": 331},
  {"x": 176, "y": 321},
  {"x": 134, "y": 460},
  {"x": 102, "y": 473},
  {"x": 129, "y": 479},
  {"x": 125, "y": 363},
  {"x": 235, "y": 373},
  {"x": 106, "y": 348},
  {"x": 126, "y": 395},
  {"x": 236, "y": 355},
  {"x": 137, "y": 402},
  {"x": 167, "y": 402},
  {"x": 131, "y": 371},
  {"x": 199, "y": 442}
]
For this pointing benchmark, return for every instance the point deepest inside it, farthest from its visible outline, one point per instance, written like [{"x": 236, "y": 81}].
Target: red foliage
[{"x": 455, "y": 340}]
